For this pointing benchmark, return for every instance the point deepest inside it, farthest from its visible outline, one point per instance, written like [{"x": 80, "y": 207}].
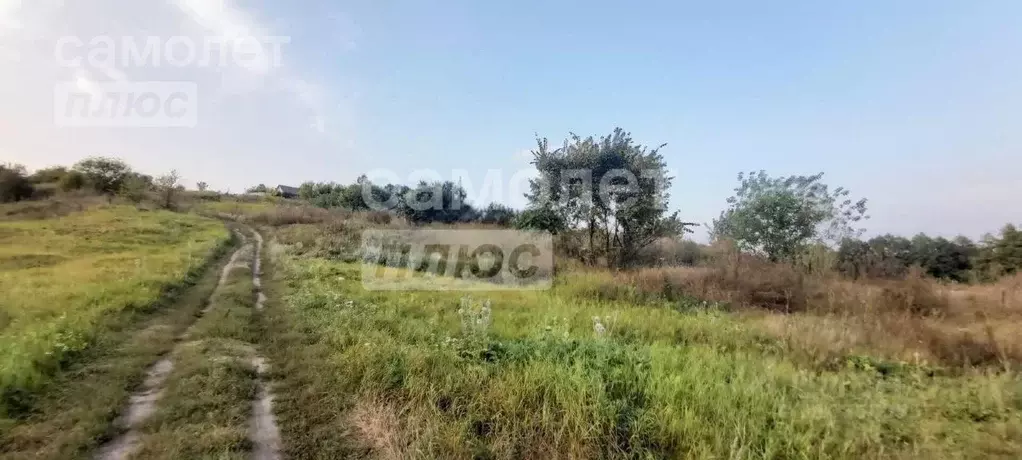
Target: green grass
[
  {"x": 71, "y": 415},
  {"x": 237, "y": 208},
  {"x": 65, "y": 281},
  {"x": 404, "y": 374}
]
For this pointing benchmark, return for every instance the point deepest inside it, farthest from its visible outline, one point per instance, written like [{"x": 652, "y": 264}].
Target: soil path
[{"x": 263, "y": 430}]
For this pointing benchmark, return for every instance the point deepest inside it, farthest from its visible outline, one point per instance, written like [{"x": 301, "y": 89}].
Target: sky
[{"x": 914, "y": 105}]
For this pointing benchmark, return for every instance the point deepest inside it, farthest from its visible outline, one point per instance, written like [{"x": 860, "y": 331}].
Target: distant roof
[{"x": 287, "y": 189}]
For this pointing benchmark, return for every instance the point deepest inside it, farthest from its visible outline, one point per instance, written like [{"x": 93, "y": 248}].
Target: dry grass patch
[{"x": 381, "y": 426}]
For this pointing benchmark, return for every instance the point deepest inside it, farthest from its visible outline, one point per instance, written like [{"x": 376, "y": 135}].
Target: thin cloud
[{"x": 237, "y": 27}]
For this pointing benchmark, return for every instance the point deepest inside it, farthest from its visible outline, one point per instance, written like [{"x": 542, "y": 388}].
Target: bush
[
  {"x": 105, "y": 175},
  {"x": 48, "y": 175},
  {"x": 671, "y": 252},
  {"x": 73, "y": 180},
  {"x": 134, "y": 189},
  {"x": 14, "y": 185}
]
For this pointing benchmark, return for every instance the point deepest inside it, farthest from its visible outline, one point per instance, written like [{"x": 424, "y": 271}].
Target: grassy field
[
  {"x": 683, "y": 362},
  {"x": 557, "y": 374},
  {"x": 62, "y": 279}
]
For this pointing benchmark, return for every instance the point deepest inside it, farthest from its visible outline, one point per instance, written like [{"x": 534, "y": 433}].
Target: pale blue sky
[{"x": 916, "y": 105}]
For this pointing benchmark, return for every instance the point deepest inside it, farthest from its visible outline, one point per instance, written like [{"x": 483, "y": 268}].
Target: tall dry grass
[{"x": 826, "y": 318}]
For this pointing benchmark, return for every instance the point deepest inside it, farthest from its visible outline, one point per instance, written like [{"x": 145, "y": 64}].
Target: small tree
[
  {"x": 14, "y": 184},
  {"x": 202, "y": 186},
  {"x": 167, "y": 186},
  {"x": 261, "y": 188},
  {"x": 134, "y": 187},
  {"x": 781, "y": 216},
  {"x": 611, "y": 188},
  {"x": 105, "y": 175},
  {"x": 1002, "y": 255}
]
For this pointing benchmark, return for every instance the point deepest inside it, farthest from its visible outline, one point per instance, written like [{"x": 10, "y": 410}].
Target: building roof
[{"x": 287, "y": 189}]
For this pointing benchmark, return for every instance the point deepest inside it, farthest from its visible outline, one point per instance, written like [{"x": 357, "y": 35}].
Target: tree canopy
[
  {"x": 104, "y": 174},
  {"x": 612, "y": 188},
  {"x": 780, "y": 216}
]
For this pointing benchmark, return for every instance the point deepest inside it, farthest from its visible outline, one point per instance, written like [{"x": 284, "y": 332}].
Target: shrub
[
  {"x": 73, "y": 180},
  {"x": 14, "y": 185},
  {"x": 51, "y": 175},
  {"x": 105, "y": 175},
  {"x": 671, "y": 252},
  {"x": 134, "y": 189},
  {"x": 168, "y": 187}
]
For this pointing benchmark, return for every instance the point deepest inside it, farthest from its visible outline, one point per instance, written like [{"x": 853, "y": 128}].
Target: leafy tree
[
  {"x": 884, "y": 256},
  {"x": 437, "y": 202},
  {"x": 14, "y": 183},
  {"x": 360, "y": 196},
  {"x": 889, "y": 256},
  {"x": 542, "y": 218},
  {"x": 940, "y": 257},
  {"x": 610, "y": 187},
  {"x": 780, "y": 216},
  {"x": 202, "y": 186},
  {"x": 168, "y": 187},
  {"x": 105, "y": 175},
  {"x": 51, "y": 175},
  {"x": 1002, "y": 255}
]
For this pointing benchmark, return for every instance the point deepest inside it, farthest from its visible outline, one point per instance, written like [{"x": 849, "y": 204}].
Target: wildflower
[{"x": 598, "y": 326}]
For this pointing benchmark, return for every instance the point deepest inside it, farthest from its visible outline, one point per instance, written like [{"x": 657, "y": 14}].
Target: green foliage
[
  {"x": 168, "y": 186},
  {"x": 889, "y": 256},
  {"x": 103, "y": 174},
  {"x": 261, "y": 188},
  {"x": 73, "y": 180},
  {"x": 498, "y": 214},
  {"x": 201, "y": 186},
  {"x": 135, "y": 187},
  {"x": 50, "y": 175},
  {"x": 780, "y": 216},
  {"x": 14, "y": 184},
  {"x": 437, "y": 202},
  {"x": 443, "y": 202},
  {"x": 542, "y": 218},
  {"x": 1002, "y": 255},
  {"x": 609, "y": 186}
]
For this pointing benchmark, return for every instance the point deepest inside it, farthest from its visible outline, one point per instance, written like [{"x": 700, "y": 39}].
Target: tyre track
[
  {"x": 263, "y": 430},
  {"x": 142, "y": 402}
]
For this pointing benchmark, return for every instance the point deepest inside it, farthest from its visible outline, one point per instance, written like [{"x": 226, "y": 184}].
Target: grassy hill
[{"x": 62, "y": 279}]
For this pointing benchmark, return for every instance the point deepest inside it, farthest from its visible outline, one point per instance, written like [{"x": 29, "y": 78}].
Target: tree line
[
  {"x": 785, "y": 218},
  {"x": 958, "y": 259},
  {"x": 100, "y": 175},
  {"x": 427, "y": 202},
  {"x": 611, "y": 189},
  {"x": 609, "y": 194}
]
